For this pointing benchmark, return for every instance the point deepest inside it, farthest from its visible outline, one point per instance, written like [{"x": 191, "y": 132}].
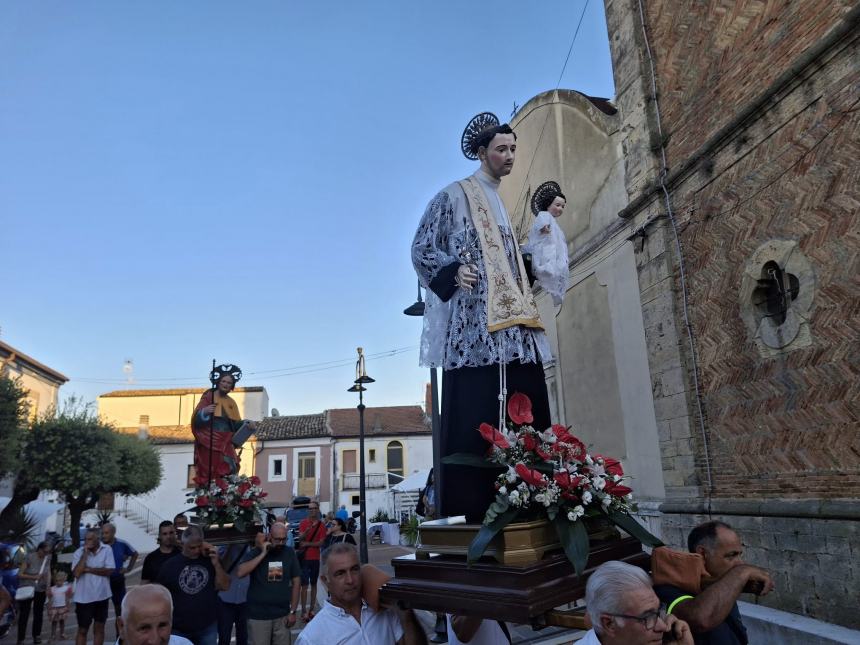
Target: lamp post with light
[{"x": 361, "y": 379}]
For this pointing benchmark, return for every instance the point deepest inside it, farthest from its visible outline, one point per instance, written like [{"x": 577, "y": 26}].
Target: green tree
[
  {"x": 14, "y": 409},
  {"x": 81, "y": 456}
]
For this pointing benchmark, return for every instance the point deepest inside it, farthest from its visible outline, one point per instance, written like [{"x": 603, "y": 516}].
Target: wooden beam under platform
[{"x": 488, "y": 589}]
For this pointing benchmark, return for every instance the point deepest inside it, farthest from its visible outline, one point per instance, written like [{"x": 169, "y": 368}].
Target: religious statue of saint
[
  {"x": 481, "y": 324},
  {"x": 547, "y": 244},
  {"x": 217, "y": 426}
]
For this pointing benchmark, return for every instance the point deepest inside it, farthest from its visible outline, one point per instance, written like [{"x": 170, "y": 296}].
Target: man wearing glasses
[
  {"x": 273, "y": 595},
  {"x": 624, "y": 610}
]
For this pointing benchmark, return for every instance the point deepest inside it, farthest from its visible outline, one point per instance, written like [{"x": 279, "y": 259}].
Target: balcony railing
[{"x": 372, "y": 480}]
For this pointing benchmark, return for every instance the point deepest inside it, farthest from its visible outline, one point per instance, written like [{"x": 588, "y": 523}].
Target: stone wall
[{"x": 815, "y": 564}]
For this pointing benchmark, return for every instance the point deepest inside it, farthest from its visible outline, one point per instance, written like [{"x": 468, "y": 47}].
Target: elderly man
[
  {"x": 122, "y": 551},
  {"x": 713, "y": 614},
  {"x": 624, "y": 610},
  {"x": 193, "y": 578},
  {"x": 346, "y": 618},
  {"x": 167, "y": 548},
  {"x": 147, "y": 616},
  {"x": 273, "y": 596},
  {"x": 92, "y": 566}
]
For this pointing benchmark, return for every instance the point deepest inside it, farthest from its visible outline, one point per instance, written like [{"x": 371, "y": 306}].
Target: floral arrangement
[
  {"x": 550, "y": 472},
  {"x": 231, "y": 499}
]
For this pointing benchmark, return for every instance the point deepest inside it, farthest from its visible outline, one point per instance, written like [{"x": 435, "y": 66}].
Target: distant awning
[
  {"x": 415, "y": 481},
  {"x": 39, "y": 510}
]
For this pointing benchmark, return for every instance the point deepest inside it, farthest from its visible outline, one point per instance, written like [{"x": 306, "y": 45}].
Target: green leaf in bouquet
[
  {"x": 499, "y": 506},
  {"x": 544, "y": 467},
  {"x": 626, "y": 522},
  {"x": 468, "y": 459},
  {"x": 488, "y": 532},
  {"x": 574, "y": 539}
]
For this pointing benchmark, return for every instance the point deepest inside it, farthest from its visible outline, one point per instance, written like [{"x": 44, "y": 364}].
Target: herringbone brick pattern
[
  {"x": 715, "y": 56},
  {"x": 785, "y": 426}
]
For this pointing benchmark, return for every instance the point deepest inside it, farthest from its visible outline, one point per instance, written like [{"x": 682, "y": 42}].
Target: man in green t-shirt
[{"x": 273, "y": 595}]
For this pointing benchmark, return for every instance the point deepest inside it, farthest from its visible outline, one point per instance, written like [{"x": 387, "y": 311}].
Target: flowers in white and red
[
  {"x": 552, "y": 468},
  {"x": 228, "y": 499}
]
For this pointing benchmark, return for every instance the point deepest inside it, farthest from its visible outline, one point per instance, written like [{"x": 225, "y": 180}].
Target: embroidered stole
[{"x": 508, "y": 303}]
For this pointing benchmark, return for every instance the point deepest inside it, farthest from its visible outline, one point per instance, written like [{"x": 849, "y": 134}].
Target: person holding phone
[{"x": 624, "y": 610}]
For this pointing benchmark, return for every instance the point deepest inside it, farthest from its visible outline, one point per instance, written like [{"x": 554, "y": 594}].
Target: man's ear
[
  {"x": 606, "y": 623},
  {"x": 324, "y": 578}
]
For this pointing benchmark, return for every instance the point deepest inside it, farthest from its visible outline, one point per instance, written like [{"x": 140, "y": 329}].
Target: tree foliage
[
  {"x": 14, "y": 409},
  {"x": 81, "y": 456}
]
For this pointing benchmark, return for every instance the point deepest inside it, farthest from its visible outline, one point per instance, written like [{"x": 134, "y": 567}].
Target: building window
[
  {"x": 356, "y": 500},
  {"x": 277, "y": 468},
  {"x": 307, "y": 484},
  {"x": 372, "y": 455},
  {"x": 394, "y": 462},
  {"x": 144, "y": 420},
  {"x": 192, "y": 473},
  {"x": 349, "y": 458}
]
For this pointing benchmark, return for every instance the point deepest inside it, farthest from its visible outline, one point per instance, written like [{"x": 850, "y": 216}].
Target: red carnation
[
  {"x": 246, "y": 503},
  {"x": 220, "y": 503},
  {"x": 221, "y": 484},
  {"x": 203, "y": 500},
  {"x": 520, "y": 409},
  {"x": 255, "y": 481},
  {"x": 493, "y": 436},
  {"x": 262, "y": 495},
  {"x": 243, "y": 488},
  {"x": 530, "y": 476}
]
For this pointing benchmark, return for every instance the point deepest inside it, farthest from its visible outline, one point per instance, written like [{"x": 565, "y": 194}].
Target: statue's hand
[{"x": 209, "y": 409}]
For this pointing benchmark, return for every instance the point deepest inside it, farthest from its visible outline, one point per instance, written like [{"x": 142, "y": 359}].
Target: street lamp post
[{"x": 361, "y": 379}]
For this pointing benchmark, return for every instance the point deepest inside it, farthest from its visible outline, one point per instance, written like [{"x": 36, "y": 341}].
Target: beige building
[{"x": 42, "y": 382}]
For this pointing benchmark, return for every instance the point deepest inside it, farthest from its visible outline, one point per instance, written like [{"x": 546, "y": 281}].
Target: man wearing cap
[{"x": 481, "y": 324}]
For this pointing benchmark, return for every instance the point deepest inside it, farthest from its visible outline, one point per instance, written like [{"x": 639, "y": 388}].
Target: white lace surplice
[
  {"x": 455, "y": 332},
  {"x": 549, "y": 256}
]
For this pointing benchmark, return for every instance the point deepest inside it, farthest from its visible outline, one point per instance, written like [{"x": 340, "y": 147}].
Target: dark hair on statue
[
  {"x": 549, "y": 199},
  {"x": 483, "y": 140},
  {"x": 705, "y": 535}
]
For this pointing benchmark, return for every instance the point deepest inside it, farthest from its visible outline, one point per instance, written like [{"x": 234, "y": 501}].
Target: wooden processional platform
[{"x": 505, "y": 585}]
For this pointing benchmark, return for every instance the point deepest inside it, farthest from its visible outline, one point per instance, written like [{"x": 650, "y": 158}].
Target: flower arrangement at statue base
[
  {"x": 550, "y": 474},
  {"x": 228, "y": 500}
]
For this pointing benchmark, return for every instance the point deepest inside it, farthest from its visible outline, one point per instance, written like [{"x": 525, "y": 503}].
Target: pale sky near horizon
[{"x": 183, "y": 181}]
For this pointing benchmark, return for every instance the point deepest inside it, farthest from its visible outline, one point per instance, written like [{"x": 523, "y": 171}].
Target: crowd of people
[{"x": 193, "y": 592}]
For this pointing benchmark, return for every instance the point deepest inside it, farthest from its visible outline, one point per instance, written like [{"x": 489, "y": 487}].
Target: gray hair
[
  {"x": 146, "y": 592},
  {"x": 338, "y": 548},
  {"x": 192, "y": 533},
  {"x": 608, "y": 587}
]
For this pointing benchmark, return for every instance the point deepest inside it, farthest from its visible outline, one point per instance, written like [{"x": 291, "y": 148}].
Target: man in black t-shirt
[
  {"x": 167, "y": 548},
  {"x": 193, "y": 578},
  {"x": 713, "y": 614},
  {"x": 273, "y": 595}
]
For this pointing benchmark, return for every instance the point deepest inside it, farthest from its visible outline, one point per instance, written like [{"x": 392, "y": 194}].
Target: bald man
[{"x": 147, "y": 617}]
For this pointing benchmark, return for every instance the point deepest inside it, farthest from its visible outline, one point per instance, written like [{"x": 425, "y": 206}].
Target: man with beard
[
  {"x": 167, "y": 548},
  {"x": 481, "y": 324},
  {"x": 273, "y": 595}
]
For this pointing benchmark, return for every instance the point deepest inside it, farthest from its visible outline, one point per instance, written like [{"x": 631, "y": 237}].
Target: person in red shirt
[{"x": 312, "y": 534}]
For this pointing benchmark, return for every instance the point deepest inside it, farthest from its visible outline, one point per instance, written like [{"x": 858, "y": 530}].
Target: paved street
[{"x": 380, "y": 555}]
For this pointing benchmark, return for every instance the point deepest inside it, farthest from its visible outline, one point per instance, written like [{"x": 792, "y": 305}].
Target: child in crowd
[{"x": 58, "y": 606}]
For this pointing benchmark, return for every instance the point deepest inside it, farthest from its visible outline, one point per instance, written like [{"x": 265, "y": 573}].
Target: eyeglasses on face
[{"x": 648, "y": 619}]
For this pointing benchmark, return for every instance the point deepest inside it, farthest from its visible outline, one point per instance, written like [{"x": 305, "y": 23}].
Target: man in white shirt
[
  {"x": 477, "y": 631},
  {"x": 625, "y": 610},
  {"x": 92, "y": 566},
  {"x": 147, "y": 617},
  {"x": 346, "y": 618}
]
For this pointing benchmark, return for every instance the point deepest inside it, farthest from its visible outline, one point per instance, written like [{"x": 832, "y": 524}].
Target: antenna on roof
[
  {"x": 275, "y": 412},
  {"x": 128, "y": 368}
]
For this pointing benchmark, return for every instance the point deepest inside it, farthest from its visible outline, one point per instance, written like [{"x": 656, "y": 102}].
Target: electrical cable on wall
[{"x": 664, "y": 171}]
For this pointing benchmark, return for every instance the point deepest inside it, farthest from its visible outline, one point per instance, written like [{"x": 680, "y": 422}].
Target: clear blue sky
[{"x": 182, "y": 181}]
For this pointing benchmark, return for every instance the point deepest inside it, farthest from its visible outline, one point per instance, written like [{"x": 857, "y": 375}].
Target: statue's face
[
  {"x": 497, "y": 159},
  {"x": 557, "y": 207},
  {"x": 226, "y": 384}
]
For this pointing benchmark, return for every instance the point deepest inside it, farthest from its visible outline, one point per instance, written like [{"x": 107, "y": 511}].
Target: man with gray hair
[
  {"x": 92, "y": 565},
  {"x": 346, "y": 618},
  {"x": 194, "y": 578},
  {"x": 624, "y": 610},
  {"x": 147, "y": 617}
]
